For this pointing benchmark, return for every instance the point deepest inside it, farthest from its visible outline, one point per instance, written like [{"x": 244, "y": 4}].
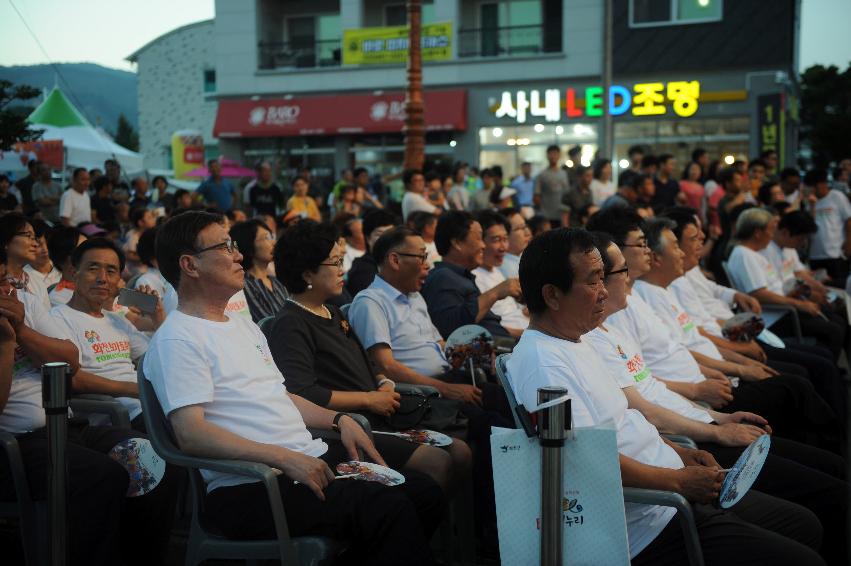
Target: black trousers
[
  {"x": 383, "y": 525},
  {"x": 837, "y": 270},
  {"x": 817, "y": 361},
  {"x": 829, "y": 331},
  {"x": 760, "y": 530},
  {"x": 793, "y": 409},
  {"x": 105, "y": 527},
  {"x": 807, "y": 476}
]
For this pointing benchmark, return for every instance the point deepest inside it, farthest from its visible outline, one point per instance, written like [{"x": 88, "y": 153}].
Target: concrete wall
[{"x": 171, "y": 90}]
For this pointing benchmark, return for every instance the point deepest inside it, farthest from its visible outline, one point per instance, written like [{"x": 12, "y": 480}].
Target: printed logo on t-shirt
[
  {"x": 22, "y": 361},
  {"x": 788, "y": 268},
  {"x": 238, "y": 306},
  {"x": 684, "y": 320},
  {"x": 105, "y": 351},
  {"x": 635, "y": 367},
  {"x": 621, "y": 353},
  {"x": 263, "y": 354}
]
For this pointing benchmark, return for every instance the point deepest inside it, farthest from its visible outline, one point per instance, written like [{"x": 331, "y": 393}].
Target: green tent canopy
[{"x": 57, "y": 110}]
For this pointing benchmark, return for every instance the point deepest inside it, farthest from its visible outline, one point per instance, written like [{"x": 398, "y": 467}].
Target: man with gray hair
[{"x": 750, "y": 272}]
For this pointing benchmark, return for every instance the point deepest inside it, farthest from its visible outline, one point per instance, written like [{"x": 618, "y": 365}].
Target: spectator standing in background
[
  {"x": 667, "y": 188},
  {"x": 414, "y": 198},
  {"x": 46, "y": 194},
  {"x": 25, "y": 187},
  {"x": 756, "y": 176},
  {"x": 574, "y": 155},
  {"x": 216, "y": 190},
  {"x": 770, "y": 161},
  {"x": 636, "y": 156},
  {"x": 692, "y": 189},
  {"x": 524, "y": 184},
  {"x": 302, "y": 204},
  {"x": 75, "y": 205},
  {"x": 101, "y": 201},
  {"x": 830, "y": 247},
  {"x": 8, "y": 201},
  {"x": 121, "y": 190},
  {"x": 551, "y": 185},
  {"x": 264, "y": 194},
  {"x": 458, "y": 196},
  {"x": 578, "y": 196},
  {"x": 701, "y": 157},
  {"x": 602, "y": 186}
]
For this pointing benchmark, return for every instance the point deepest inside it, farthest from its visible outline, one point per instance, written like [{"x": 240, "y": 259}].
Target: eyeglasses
[
  {"x": 229, "y": 245},
  {"x": 638, "y": 245},
  {"x": 520, "y": 228},
  {"x": 497, "y": 240},
  {"x": 27, "y": 235},
  {"x": 616, "y": 271},
  {"x": 422, "y": 257},
  {"x": 338, "y": 264}
]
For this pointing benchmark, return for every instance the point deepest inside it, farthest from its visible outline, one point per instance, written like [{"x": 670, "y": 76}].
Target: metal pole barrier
[
  {"x": 54, "y": 390},
  {"x": 553, "y": 429}
]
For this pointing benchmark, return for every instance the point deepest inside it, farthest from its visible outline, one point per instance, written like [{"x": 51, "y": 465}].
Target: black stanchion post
[
  {"x": 553, "y": 430},
  {"x": 55, "y": 387}
]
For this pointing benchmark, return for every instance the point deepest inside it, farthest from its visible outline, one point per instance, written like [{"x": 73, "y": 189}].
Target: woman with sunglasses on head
[
  {"x": 323, "y": 360},
  {"x": 264, "y": 293}
]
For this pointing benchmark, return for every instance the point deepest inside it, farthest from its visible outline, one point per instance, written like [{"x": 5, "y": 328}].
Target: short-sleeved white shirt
[
  {"x": 413, "y": 202},
  {"x": 785, "y": 260},
  {"x": 623, "y": 357},
  {"x": 24, "y": 411},
  {"x": 75, "y": 206},
  {"x": 749, "y": 271},
  {"x": 509, "y": 311},
  {"x": 155, "y": 280},
  {"x": 686, "y": 294},
  {"x": 226, "y": 368},
  {"x": 830, "y": 214},
  {"x": 107, "y": 346},
  {"x": 539, "y": 360},
  {"x": 674, "y": 316},
  {"x": 667, "y": 357},
  {"x": 717, "y": 299}
]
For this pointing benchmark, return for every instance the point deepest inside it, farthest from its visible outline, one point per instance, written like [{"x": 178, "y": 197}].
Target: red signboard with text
[
  {"x": 49, "y": 151},
  {"x": 328, "y": 115}
]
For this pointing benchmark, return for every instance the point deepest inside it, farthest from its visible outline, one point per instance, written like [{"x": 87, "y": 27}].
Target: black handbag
[{"x": 419, "y": 410}]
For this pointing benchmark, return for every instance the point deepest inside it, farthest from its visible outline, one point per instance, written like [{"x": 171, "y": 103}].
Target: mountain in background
[{"x": 100, "y": 93}]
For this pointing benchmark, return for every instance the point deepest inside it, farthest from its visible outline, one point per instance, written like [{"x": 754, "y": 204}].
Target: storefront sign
[
  {"x": 327, "y": 115},
  {"x": 389, "y": 45},
  {"x": 51, "y": 152},
  {"x": 770, "y": 121},
  {"x": 645, "y": 99}
]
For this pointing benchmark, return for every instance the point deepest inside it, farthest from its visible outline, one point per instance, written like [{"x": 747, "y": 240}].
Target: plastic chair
[
  {"x": 772, "y": 311},
  {"x": 630, "y": 494},
  {"x": 345, "y": 309},
  {"x": 92, "y": 403},
  {"x": 204, "y": 542},
  {"x": 31, "y": 515}
]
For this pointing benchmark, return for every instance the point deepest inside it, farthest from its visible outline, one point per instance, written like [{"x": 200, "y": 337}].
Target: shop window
[{"x": 649, "y": 13}]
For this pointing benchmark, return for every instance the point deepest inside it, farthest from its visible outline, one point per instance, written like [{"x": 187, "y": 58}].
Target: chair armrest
[
  {"x": 327, "y": 434},
  {"x": 91, "y": 403},
  {"x": 9, "y": 446},
  {"x": 684, "y": 441},
  {"x": 426, "y": 390},
  {"x": 786, "y": 310},
  {"x": 684, "y": 512}
]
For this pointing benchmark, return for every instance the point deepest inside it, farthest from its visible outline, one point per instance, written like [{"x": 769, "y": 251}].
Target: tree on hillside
[
  {"x": 125, "y": 135},
  {"x": 826, "y": 113},
  {"x": 13, "y": 120}
]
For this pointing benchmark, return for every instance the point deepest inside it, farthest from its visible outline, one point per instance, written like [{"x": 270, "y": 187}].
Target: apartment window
[
  {"x": 314, "y": 41},
  {"x": 510, "y": 27},
  {"x": 397, "y": 14},
  {"x": 649, "y": 13},
  {"x": 209, "y": 80}
]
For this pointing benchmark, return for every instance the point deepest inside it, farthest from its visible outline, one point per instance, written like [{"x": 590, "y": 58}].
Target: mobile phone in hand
[{"x": 133, "y": 298}]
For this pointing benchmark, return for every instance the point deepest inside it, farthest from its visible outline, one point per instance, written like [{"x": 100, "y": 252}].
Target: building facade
[
  {"x": 319, "y": 83},
  {"x": 177, "y": 77}
]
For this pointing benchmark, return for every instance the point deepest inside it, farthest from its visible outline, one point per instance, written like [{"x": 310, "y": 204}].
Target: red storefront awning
[{"x": 343, "y": 114}]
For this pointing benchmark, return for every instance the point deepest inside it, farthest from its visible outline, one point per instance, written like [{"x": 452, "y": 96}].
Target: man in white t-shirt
[
  {"x": 793, "y": 233},
  {"x": 830, "y": 248},
  {"x": 562, "y": 280},
  {"x": 751, "y": 273},
  {"x": 108, "y": 343},
  {"x": 519, "y": 236},
  {"x": 790, "y": 468},
  {"x": 414, "y": 198},
  {"x": 512, "y": 315},
  {"x": 75, "y": 205},
  {"x": 230, "y": 402}
]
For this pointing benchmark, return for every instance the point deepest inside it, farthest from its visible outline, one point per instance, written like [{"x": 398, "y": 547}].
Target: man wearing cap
[{"x": 579, "y": 195}]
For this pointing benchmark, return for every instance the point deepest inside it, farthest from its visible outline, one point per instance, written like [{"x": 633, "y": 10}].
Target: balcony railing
[
  {"x": 299, "y": 54},
  {"x": 508, "y": 41}
]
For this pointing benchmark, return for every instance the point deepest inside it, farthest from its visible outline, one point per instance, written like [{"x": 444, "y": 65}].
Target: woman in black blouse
[
  {"x": 323, "y": 361},
  {"x": 264, "y": 293}
]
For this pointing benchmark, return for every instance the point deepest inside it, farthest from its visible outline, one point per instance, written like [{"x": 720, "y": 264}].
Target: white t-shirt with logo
[
  {"x": 107, "y": 345},
  {"x": 667, "y": 357},
  {"x": 237, "y": 304},
  {"x": 539, "y": 360},
  {"x": 227, "y": 369},
  {"x": 717, "y": 299},
  {"x": 623, "y": 357},
  {"x": 831, "y": 213},
  {"x": 509, "y": 311},
  {"x": 686, "y": 294},
  {"x": 675, "y": 317},
  {"x": 75, "y": 206},
  {"x": 24, "y": 411},
  {"x": 785, "y": 260},
  {"x": 749, "y": 271}
]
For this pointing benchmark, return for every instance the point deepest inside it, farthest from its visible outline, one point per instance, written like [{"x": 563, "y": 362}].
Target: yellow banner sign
[{"x": 389, "y": 45}]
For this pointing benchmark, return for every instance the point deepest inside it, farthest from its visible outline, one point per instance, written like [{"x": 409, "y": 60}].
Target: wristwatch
[{"x": 335, "y": 424}]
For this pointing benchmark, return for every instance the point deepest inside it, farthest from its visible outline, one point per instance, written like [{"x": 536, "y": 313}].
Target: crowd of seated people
[{"x": 619, "y": 290}]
